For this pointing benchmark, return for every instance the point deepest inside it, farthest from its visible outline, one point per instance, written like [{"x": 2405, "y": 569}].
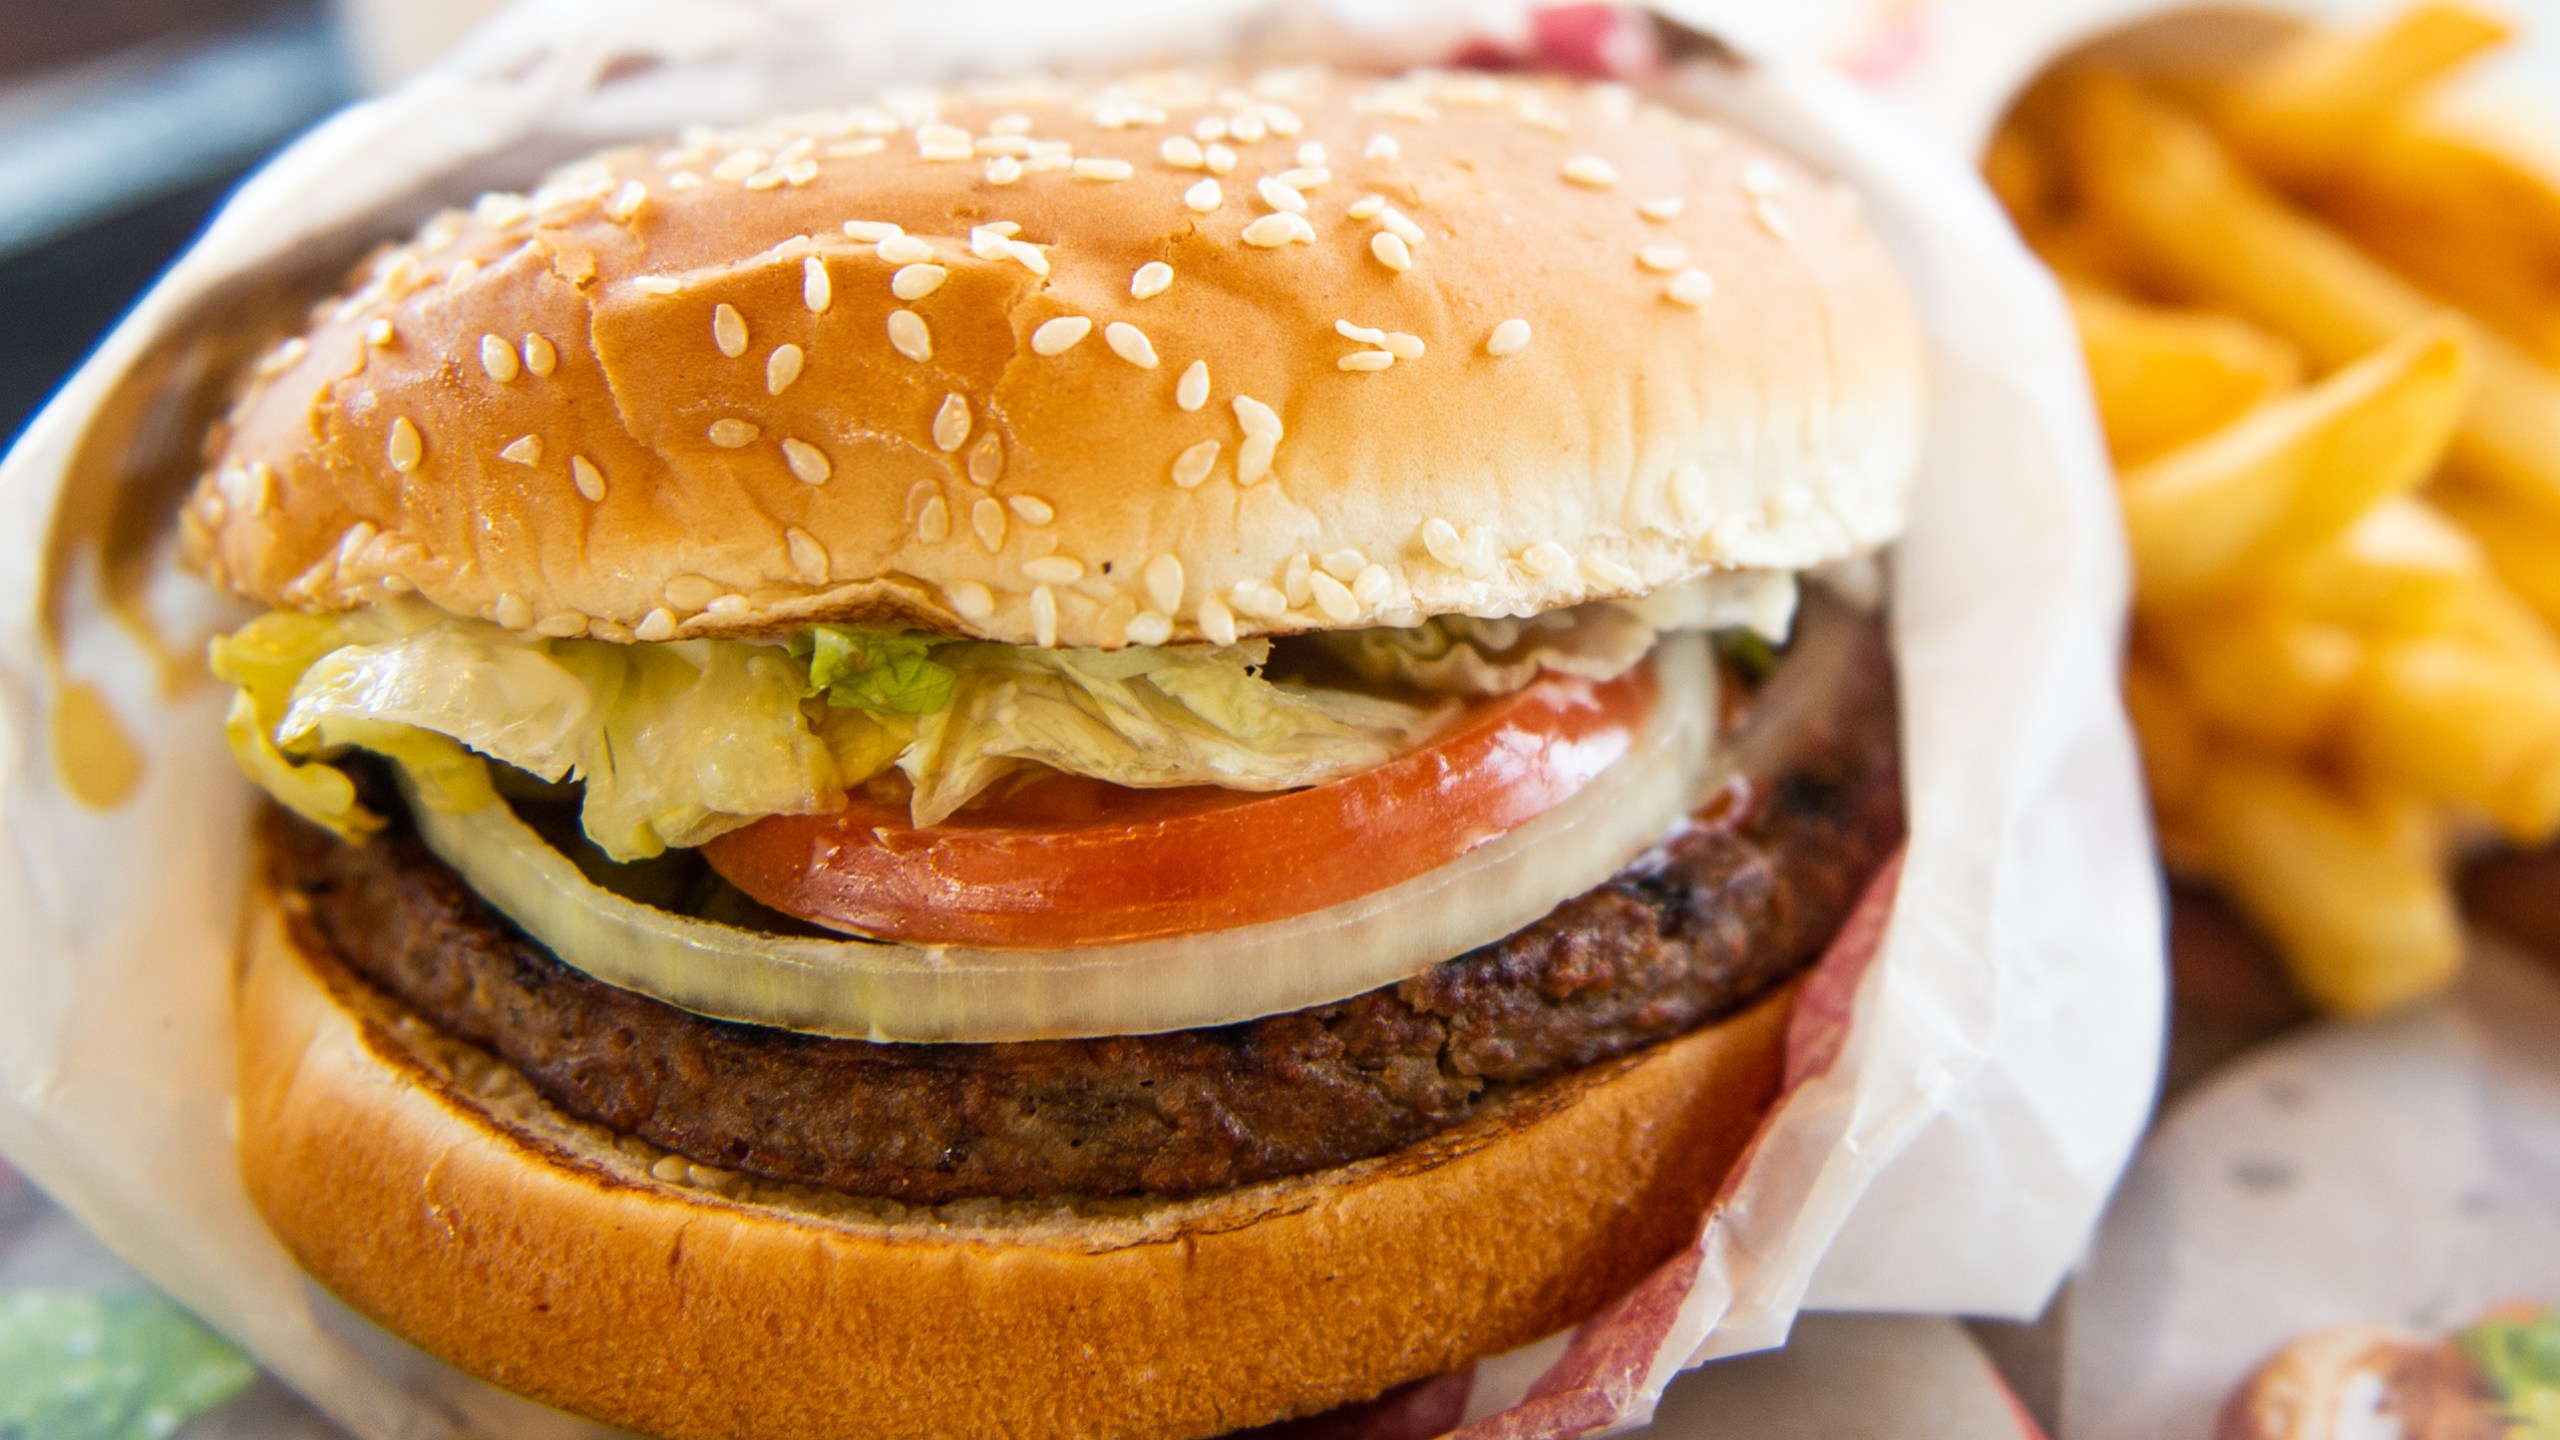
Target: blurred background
[{"x": 124, "y": 122}]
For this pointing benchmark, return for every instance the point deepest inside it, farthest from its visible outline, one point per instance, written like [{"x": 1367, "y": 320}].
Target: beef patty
[{"x": 1695, "y": 930}]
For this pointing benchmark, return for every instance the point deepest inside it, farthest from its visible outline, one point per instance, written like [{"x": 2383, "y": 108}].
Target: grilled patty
[{"x": 1693, "y": 931}]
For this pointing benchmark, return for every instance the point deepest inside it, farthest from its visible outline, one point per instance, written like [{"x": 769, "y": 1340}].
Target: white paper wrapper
[{"x": 1964, "y": 1091}]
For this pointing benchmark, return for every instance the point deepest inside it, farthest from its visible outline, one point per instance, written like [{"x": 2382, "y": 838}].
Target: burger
[
  {"x": 2497, "y": 1378},
  {"x": 1111, "y": 758}
]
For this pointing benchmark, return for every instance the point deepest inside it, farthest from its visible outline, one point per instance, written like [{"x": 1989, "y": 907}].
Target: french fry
[
  {"x": 2277, "y": 678},
  {"x": 2165, "y": 377},
  {"x": 2457, "y": 207},
  {"x": 2207, "y": 229},
  {"x": 2459, "y": 719},
  {"x": 2300, "y": 114},
  {"x": 2351, "y": 891},
  {"x": 2170, "y": 734},
  {"x": 2295, "y": 471},
  {"x": 2523, "y": 546},
  {"x": 2401, "y": 568}
]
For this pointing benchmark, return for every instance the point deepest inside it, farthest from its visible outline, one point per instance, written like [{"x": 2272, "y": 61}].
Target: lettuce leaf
[
  {"x": 1143, "y": 717},
  {"x": 2521, "y": 1358},
  {"x": 869, "y": 670}
]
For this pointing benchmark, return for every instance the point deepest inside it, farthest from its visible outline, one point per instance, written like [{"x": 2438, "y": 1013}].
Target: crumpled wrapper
[{"x": 1967, "y": 1069}]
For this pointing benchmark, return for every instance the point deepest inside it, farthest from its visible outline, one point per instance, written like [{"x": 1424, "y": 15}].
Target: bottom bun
[{"x": 428, "y": 1186}]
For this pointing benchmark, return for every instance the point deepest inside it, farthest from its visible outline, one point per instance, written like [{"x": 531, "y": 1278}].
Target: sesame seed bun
[
  {"x": 1371, "y": 350},
  {"x": 428, "y": 1186}
]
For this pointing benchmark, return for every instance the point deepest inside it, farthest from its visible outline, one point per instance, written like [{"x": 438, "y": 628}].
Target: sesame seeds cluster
[{"x": 1185, "y": 355}]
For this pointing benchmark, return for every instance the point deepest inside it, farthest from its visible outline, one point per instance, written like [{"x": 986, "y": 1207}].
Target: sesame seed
[
  {"x": 1217, "y": 622},
  {"x": 377, "y": 333},
  {"x": 807, "y": 461},
  {"x": 1027, "y": 255},
  {"x": 1044, "y": 617},
  {"x": 908, "y": 334},
  {"x": 655, "y": 285},
  {"x": 1163, "y": 577},
  {"x": 626, "y": 202},
  {"x": 539, "y": 356},
  {"x": 1366, "y": 207},
  {"x": 781, "y": 368},
  {"x": 1383, "y": 146},
  {"x": 1130, "y": 343},
  {"x": 1692, "y": 287},
  {"x": 1304, "y": 177},
  {"x": 1402, "y": 228},
  {"x": 1662, "y": 208},
  {"x": 1508, "y": 338},
  {"x": 1403, "y": 346},
  {"x": 1257, "y": 420},
  {"x": 681, "y": 180},
  {"x": 512, "y": 611},
  {"x": 523, "y": 450},
  {"x": 807, "y": 555},
  {"x": 1192, "y": 391},
  {"x": 1391, "y": 251},
  {"x": 816, "y": 290},
  {"x": 1373, "y": 586},
  {"x": 903, "y": 250},
  {"x": 1773, "y": 219},
  {"x": 1479, "y": 553},
  {"x": 1044, "y": 161},
  {"x": 987, "y": 518},
  {"x": 1093, "y": 167},
  {"x": 857, "y": 148},
  {"x": 1182, "y": 152},
  {"x": 730, "y": 433},
  {"x": 1361, "y": 333},
  {"x": 914, "y": 282},
  {"x": 1277, "y": 229},
  {"x": 1204, "y": 197},
  {"x": 1002, "y": 146},
  {"x": 567, "y": 625},
  {"x": 951, "y": 424},
  {"x": 1610, "y": 573},
  {"x": 1012, "y": 122},
  {"x": 971, "y": 600},
  {"x": 933, "y": 522},
  {"x": 1193, "y": 465},
  {"x": 1248, "y": 128},
  {"x": 1150, "y": 627},
  {"x": 941, "y": 134},
  {"x": 986, "y": 462},
  {"x": 589, "y": 480},
  {"x": 1762, "y": 180},
  {"x": 498, "y": 358},
  {"x": 1293, "y": 578},
  {"x": 1283, "y": 120},
  {"x": 1690, "y": 497},
  {"x": 1342, "y": 564},
  {"x": 461, "y": 276},
  {"x": 658, "y": 624},
  {"x": 1592, "y": 171},
  {"x": 1003, "y": 170},
  {"x": 729, "y": 330},
  {"x": 1280, "y": 196},
  {"x": 1219, "y": 159},
  {"x": 404, "y": 447},
  {"x": 1440, "y": 538},
  {"x": 1152, "y": 279},
  {"x": 1054, "y": 570},
  {"x": 1057, "y": 337},
  {"x": 987, "y": 242},
  {"x": 1366, "y": 360},
  {"x": 1333, "y": 597},
  {"x": 1662, "y": 259},
  {"x": 1209, "y": 127},
  {"x": 739, "y": 164},
  {"x": 1260, "y": 599},
  {"x": 1031, "y": 509},
  {"x": 1548, "y": 560},
  {"x": 1311, "y": 154},
  {"x": 870, "y": 232}
]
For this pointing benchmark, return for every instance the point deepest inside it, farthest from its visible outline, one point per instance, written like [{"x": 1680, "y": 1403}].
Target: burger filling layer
[{"x": 1696, "y": 928}]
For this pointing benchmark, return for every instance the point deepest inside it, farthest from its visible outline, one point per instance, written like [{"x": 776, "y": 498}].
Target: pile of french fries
[{"x": 2320, "y": 303}]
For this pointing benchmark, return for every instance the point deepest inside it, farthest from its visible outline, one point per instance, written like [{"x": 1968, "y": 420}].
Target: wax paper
[{"x": 1968, "y": 1069}]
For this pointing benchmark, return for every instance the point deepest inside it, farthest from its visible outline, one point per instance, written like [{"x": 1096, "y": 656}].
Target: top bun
[{"x": 691, "y": 391}]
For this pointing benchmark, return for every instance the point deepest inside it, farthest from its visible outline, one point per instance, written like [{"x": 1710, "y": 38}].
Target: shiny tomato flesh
[{"x": 1064, "y": 861}]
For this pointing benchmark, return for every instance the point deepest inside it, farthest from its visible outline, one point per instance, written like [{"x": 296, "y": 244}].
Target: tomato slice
[{"x": 1065, "y": 861}]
